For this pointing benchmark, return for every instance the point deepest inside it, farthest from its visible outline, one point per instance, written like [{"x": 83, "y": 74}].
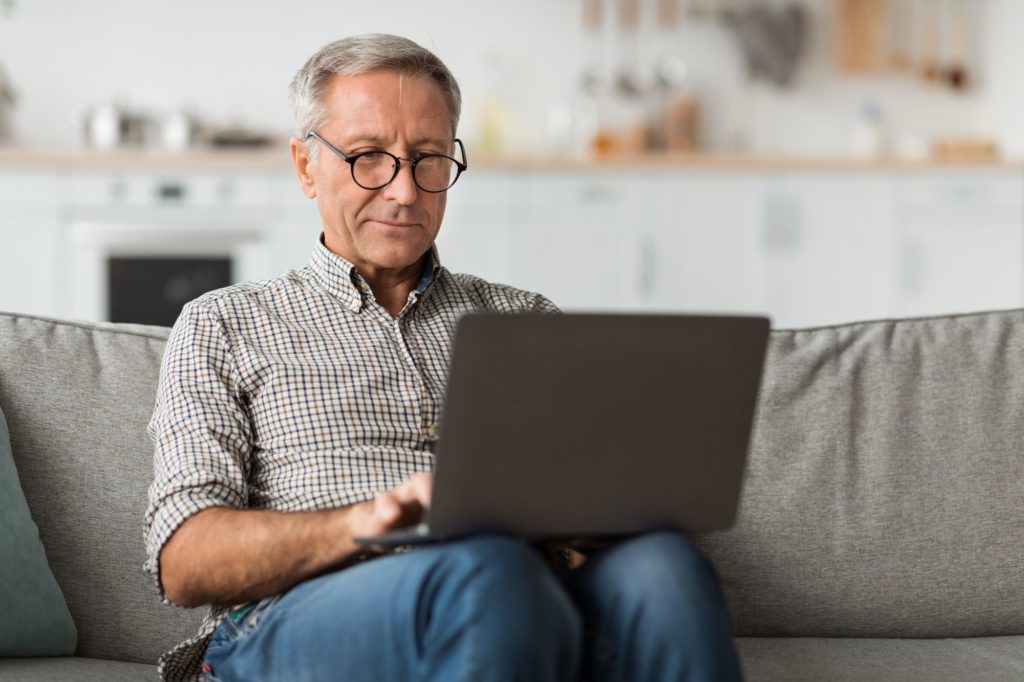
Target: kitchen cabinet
[
  {"x": 656, "y": 241},
  {"x": 484, "y": 218},
  {"x": 960, "y": 242},
  {"x": 700, "y": 249},
  {"x": 807, "y": 246},
  {"x": 295, "y": 235},
  {"x": 31, "y": 252},
  {"x": 827, "y": 247},
  {"x": 580, "y": 239}
]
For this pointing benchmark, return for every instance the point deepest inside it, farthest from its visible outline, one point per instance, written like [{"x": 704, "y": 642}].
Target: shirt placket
[{"x": 414, "y": 384}]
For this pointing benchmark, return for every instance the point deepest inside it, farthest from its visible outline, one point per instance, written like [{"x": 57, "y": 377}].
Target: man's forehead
[
  {"x": 359, "y": 106},
  {"x": 388, "y": 89}
]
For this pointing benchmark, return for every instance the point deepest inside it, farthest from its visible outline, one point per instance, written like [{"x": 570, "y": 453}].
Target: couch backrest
[
  {"x": 884, "y": 494},
  {"x": 885, "y": 489},
  {"x": 77, "y": 398}
]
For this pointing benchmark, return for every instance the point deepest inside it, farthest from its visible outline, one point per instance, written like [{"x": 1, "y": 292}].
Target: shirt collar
[
  {"x": 433, "y": 266},
  {"x": 341, "y": 279}
]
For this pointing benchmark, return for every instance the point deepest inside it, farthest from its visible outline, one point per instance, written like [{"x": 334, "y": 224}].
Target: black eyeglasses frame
[{"x": 351, "y": 159}]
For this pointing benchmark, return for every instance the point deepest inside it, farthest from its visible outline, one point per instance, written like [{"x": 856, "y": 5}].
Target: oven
[{"x": 139, "y": 245}]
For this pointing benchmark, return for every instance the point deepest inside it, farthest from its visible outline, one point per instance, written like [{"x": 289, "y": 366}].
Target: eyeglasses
[{"x": 376, "y": 169}]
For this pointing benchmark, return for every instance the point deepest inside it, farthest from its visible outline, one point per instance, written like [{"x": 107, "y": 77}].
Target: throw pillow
[{"x": 34, "y": 619}]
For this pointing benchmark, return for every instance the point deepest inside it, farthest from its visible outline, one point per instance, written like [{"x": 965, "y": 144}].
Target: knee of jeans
[
  {"x": 515, "y": 585},
  {"x": 497, "y": 556},
  {"x": 655, "y": 564}
]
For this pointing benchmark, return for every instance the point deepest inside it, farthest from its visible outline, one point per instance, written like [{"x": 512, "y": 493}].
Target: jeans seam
[{"x": 473, "y": 599}]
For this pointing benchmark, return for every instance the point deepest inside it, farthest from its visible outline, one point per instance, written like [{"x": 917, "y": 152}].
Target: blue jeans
[{"x": 489, "y": 608}]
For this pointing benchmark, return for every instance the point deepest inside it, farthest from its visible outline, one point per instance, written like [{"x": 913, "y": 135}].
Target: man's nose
[{"x": 403, "y": 188}]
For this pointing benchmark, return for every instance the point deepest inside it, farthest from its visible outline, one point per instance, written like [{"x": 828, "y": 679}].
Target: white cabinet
[
  {"x": 300, "y": 225},
  {"x": 827, "y": 246},
  {"x": 581, "y": 236},
  {"x": 483, "y": 219},
  {"x": 662, "y": 240},
  {"x": 960, "y": 242},
  {"x": 700, "y": 249},
  {"x": 30, "y": 248},
  {"x": 807, "y": 247}
]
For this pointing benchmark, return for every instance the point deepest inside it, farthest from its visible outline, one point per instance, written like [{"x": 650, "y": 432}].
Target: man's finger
[
  {"x": 387, "y": 510},
  {"x": 422, "y": 485}
]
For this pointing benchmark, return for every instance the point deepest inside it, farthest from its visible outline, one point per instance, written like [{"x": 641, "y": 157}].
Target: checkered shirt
[{"x": 301, "y": 393}]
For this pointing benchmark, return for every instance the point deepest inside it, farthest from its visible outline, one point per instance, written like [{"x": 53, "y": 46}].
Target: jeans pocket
[{"x": 248, "y": 622}]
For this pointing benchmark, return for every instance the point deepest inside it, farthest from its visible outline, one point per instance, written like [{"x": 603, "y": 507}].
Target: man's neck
[{"x": 391, "y": 288}]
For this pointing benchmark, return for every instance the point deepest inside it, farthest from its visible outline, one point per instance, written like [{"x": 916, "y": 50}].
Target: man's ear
[{"x": 301, "y": 161}]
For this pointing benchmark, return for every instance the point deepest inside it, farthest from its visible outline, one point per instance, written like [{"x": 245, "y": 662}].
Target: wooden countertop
[{"x": 278, "y": 159}]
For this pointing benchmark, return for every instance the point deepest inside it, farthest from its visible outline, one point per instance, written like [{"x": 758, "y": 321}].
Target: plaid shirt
[{"x": 301, "y": 393}]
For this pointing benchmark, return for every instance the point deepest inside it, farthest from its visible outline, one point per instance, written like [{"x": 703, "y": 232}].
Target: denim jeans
[{"x": 489, "y": 608}]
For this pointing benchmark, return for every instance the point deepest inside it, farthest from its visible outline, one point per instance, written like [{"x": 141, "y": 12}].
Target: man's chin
[{"x": 397, "y": 259}]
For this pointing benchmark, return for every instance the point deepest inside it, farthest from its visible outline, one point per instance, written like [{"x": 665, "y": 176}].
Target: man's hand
[
  {"x": 396, "y": 508},
  {"x": 236, "y": 555},
  {"x": 404, "y": 505}
]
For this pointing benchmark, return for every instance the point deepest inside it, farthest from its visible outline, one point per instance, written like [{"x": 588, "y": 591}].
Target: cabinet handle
[
  {"x": 170, "y": 191},
  {"x": 118, "y": 190},
  {"x": 783, "y": 224},
  {"x": 648, "y": 262},
  {"x": 912, "y": 271},
  {"x": 596, "y": 193}
]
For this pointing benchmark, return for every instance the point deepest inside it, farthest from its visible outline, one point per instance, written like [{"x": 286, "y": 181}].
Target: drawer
[
  {"x": 154, "y": 189},
  {"x": 963, "y": 198},
  {"x": 28, "y": 187}
]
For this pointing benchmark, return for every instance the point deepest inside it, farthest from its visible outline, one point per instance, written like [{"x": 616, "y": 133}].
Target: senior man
[{"x": 297, "y": 413}]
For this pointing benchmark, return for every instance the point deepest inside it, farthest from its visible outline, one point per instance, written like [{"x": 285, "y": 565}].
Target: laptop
[{"x": 592, "y": 426}]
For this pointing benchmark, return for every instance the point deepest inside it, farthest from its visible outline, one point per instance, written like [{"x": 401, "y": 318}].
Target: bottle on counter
[
  {"x": 868, "y": 140},
  {"x": 674, "y": 106}
]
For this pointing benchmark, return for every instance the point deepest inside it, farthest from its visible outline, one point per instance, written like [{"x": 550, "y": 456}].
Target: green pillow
[{"x": 34, "y": 618}]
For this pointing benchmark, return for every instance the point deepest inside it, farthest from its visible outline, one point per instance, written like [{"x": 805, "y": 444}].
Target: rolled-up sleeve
[{"x": 200, "y": 427}]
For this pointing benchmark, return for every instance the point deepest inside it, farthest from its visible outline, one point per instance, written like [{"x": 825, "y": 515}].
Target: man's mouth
[{"x": 395, "y": 223}]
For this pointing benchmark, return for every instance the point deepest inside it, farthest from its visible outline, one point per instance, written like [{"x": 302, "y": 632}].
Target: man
[{"x": 298, "y": 413}]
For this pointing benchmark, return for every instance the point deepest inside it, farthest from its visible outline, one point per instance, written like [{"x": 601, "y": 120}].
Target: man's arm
[{"x": 230, "y": 556}]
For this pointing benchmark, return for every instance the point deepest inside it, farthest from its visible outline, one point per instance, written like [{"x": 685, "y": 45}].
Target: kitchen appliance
[
  {"x": 144, "y": 243},
  {"x": 109, "y": 126}
]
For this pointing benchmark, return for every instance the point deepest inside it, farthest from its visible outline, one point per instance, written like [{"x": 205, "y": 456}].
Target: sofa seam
[
  {"x": 90, "y": 326},
  {"x": 1011, "y": 663},
  {"x": 897, "y": 320}
]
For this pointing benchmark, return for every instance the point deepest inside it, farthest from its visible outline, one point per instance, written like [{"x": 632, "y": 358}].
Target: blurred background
[{"x": 821, "y": 161}]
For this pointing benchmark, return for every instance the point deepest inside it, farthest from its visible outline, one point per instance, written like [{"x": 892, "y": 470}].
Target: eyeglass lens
[{"x": 432, "y": 173}]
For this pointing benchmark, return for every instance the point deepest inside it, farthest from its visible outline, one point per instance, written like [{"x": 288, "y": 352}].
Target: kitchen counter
[{"x": 278, "y": 159}]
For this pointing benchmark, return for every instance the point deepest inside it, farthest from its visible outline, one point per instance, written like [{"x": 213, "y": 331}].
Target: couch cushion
[
  {"x": 78, "y": 397},
  {"x": 995, "y": 659},
  {"x": 34, "y": 620},
  {"x": 73, "y": 670},
  {"x": 883, "y": 496}
]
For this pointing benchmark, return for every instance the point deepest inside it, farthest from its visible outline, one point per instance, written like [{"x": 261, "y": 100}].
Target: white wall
[{"x": 232, "y": 60}]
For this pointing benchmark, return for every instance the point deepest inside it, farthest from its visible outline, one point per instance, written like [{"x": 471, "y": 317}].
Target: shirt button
[{"x": 432, "y": 432}]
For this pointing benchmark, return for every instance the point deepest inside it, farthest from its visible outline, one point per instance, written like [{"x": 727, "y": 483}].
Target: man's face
[{"x": 387, "y": 229}]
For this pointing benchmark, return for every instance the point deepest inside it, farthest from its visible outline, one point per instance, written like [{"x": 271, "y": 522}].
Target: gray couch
[{"x": 881, "y": 534}]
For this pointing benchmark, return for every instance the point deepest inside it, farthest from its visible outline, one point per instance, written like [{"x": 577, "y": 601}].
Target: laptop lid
[{"x": 590, "y": 425}]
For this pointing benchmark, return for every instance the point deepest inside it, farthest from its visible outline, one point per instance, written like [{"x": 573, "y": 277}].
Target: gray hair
[{"x": 358, "y": 55}]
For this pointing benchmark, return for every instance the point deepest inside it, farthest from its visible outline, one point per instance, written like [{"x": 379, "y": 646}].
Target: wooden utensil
[
  {"x": 861, "y": 35},
  {"x": 956, "y": 74},
  {"x": 930, "y": 66},
  {"x": 899, "y": 34}
]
